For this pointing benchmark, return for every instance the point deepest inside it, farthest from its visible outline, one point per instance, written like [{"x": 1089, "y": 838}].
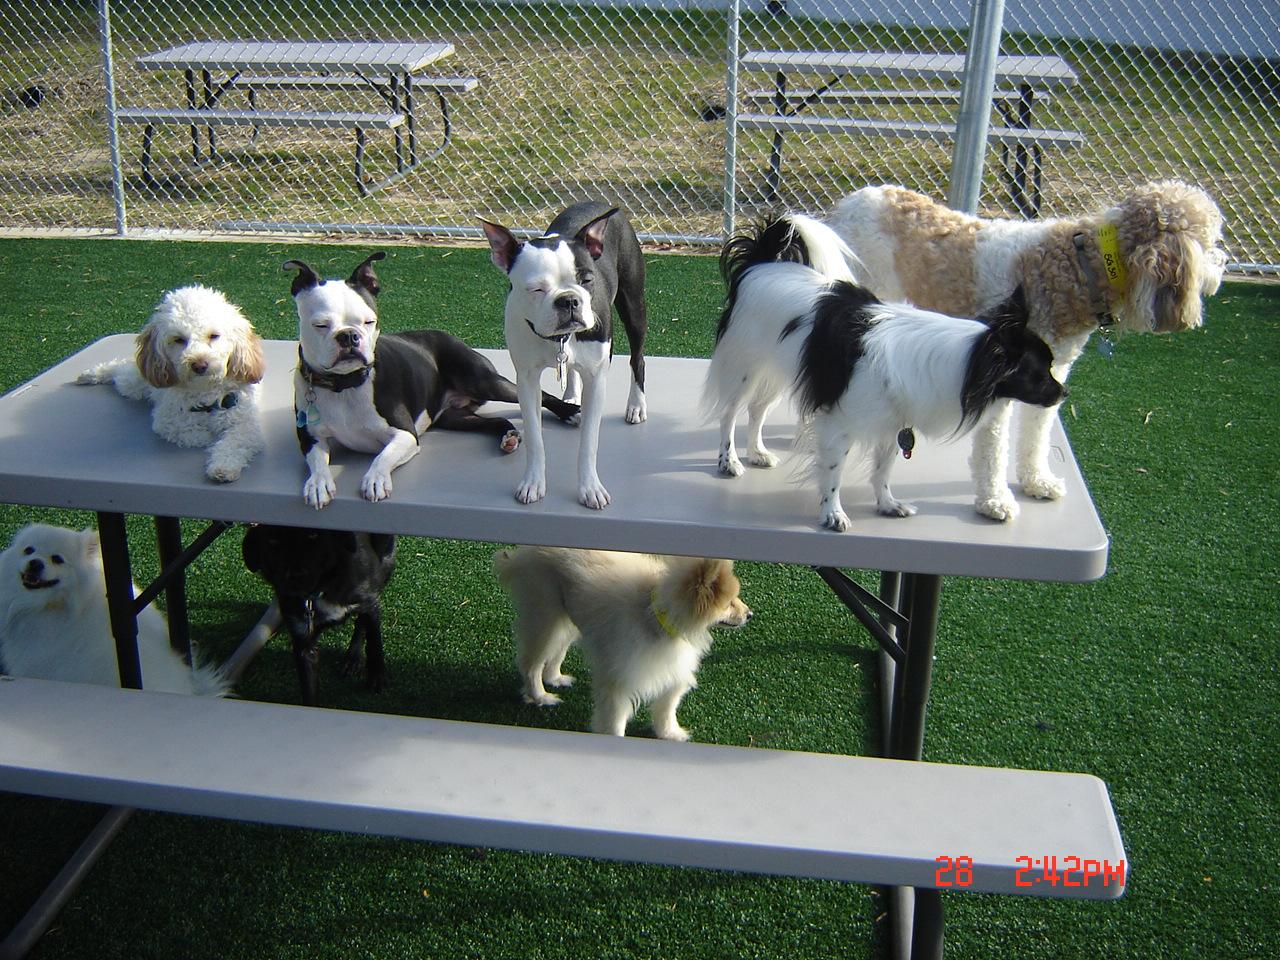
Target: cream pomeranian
[
  {"x": 642, "y": 622},
  {"x": 54, "y": 623}
]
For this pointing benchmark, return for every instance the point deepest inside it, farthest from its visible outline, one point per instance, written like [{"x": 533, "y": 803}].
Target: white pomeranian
[
  {"x": 54, "y": 623},
  {"x": 642, "y": 622}
]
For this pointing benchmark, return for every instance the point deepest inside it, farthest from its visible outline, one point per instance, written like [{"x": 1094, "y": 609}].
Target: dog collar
[
  {"x": 335, "y": 382},
  {"x": 662, "y": 616},
  {"x": 226, "y": 403},
  {"x": 562, "y": 355},
  {"x": 1098, "y": 301}
]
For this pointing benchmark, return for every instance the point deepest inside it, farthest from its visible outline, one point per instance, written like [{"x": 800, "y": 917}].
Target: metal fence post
[
  {"x": 985, "y": 28},
  {"x": 113, "y": 129},
  {"x": 731, "y": 122}
]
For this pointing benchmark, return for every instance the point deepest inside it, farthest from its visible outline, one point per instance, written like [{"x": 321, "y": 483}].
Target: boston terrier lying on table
[
  {"x": 559, "y": 314},
  {"x": 379, "y": 394}
]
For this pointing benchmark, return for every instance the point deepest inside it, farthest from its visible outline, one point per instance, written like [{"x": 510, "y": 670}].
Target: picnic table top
[
  {"x": 1013, "y": 68},
  {"x": 84, "y": 447},
  {"x": 268, "y": 55}
]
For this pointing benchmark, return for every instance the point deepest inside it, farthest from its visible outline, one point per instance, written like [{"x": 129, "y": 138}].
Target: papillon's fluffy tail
[{"x": 208, "y": 681}]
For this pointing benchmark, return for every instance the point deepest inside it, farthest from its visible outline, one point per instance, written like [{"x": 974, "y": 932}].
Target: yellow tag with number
[{"x": 1109, "y": 244}]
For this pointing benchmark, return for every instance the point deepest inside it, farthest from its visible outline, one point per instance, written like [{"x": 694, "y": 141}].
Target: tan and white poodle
[
  {"x": 1142, "y": 264},
  {"x": 199, "y": 363}
]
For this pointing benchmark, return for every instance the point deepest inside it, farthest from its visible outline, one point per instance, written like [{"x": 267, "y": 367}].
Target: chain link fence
[{"x": 631, "y": 100}]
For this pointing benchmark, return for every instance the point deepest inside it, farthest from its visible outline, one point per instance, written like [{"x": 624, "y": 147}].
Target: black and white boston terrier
[
  {"x": 559, "y": 314},
  {"x": 379, "y": 394}
]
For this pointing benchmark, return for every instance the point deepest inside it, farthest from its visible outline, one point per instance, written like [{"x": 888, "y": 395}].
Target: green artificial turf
[{"x": 1161, "y": 678}]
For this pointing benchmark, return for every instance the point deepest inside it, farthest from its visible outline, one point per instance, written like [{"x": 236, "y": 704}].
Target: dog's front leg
[
  {"x": 402, "y": 448},
  {"x": 298, "y": 620},
  {"x": 529, "y": 391},
  {"x": 833, "y": 444},
  {"x": 367, "y": 632},
  {"x": 232, "y": 452},
  {"x": 989, "y": 463},
  {"x": 319, "y": 489},
  {"x": 591, "y": 492},
  {"x": 611, "y": 711},
  {"x": 1037, "y": 480},
  {"x": 885, "y": 456},
  {"x": 663, "y": 711},
  {"x": 123, "y": 374}
]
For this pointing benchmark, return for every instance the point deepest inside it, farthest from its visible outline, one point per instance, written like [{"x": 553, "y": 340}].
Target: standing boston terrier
[
  {"x": 559, "y": 314},
  {"x": 379, "y": 394}
]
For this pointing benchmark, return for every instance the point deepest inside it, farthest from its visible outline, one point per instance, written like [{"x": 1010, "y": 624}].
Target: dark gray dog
[{"x": 321, "y": 578}]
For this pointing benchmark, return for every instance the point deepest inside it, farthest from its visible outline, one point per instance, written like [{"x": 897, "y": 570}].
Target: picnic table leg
[
  {"x": 120, "y": 602},
  {"x": 410, "y": 121},
  {"x": 191, "y": 105},
  {"x": 399, "y": 137},
  {"x": 773, "y": 178},
  {"x": 360, "y": 184},
  {"x": 169, "y": 547},
  {"x": 209, "y": 101},
  {"x": 1026, "y": 100}
]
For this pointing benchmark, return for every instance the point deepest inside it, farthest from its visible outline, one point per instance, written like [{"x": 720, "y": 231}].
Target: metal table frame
[{"x": 386, "y": 68}]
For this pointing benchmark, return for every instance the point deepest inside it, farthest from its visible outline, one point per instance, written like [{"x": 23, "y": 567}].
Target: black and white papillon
[{"x": 866, "y": 375}]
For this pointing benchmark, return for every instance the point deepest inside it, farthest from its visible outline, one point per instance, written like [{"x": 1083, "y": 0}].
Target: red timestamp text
[{"x": 1048, "y": 870}]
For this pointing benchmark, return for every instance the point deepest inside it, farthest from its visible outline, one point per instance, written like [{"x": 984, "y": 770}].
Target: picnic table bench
[
  {"x": 390, "y": 70},
  {"x": 921, "y": 827},
  {"x": 790, "y": 112}
]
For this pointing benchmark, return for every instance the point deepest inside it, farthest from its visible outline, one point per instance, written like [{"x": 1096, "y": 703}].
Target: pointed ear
[
  {"x": 592, "y": 235},
  {"x": 152, "y": 363},
  {"x": 90, "y": 543},
  {"x": 503, "y": 245},
  {"x": 306, "y": 278},
  {"x": 1011, "y": 312},
  {"x": 363, "y": 277}
]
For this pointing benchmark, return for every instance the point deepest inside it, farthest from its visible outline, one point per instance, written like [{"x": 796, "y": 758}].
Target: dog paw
[
  {"x": 223, "y": 472},
  {"x": 1044, "y": 486},
  {"x": 319, "y": 490},
  {"x": 836, "y": 520},
  {"x": 375, "y": 486},
  {"x": 531, "y": 489},
  {"x": 730, "y": 465},
  {"x": 543, "y": 699},
  {"x": 379, "y": 680},
  {"x": 999, "y": 507},
  {"x": 763, "y": 458},
  {"x": 510, "y": 441},
  {"x": 593, "y": 494},
  {"x": 575, "y": 420},
  {"x": 558, "y": 680},
  {"x": 896, "y": 508},
  {"x": 637, "y": 412},
  {"x": 90, "y": 377},
  {"x": 675, "y": 733}
]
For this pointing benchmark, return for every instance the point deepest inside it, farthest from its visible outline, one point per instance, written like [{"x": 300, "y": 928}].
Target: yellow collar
[
  {"x": 1112, "y": 262},
  {"x": 662, "y": 616}
]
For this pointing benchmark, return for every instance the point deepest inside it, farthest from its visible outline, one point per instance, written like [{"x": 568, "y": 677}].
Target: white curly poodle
[
  {"x": 1141, "y": 264},
  {"x": 199, "y": 363}
]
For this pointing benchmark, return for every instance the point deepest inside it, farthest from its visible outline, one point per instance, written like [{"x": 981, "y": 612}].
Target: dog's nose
[
  {"x": 199, "y": 367},
  {"x": 347, "y": 339},
  {"x": 567, "y": 301},
  {"x": 34, "y": 568}
]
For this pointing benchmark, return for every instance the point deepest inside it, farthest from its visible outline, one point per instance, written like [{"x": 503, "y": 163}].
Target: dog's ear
[
  {"x": 90, "y": 545},
  {"x": 714, "y": 585},
  {"x": 306, "y": 277},
  {"x": 154, "y": 366},
  {"x": 503, "y": 245},
  {"x": 1010, "y": 312},
  {"x": 363, "y": 277},
  {"x": 251, "y": 550},
  {"x": 1165, "y": 283},
  {"x": 592, "y": 235},
  {"x": 246, "y": 363},
  {"x": 347, "y": 540}
]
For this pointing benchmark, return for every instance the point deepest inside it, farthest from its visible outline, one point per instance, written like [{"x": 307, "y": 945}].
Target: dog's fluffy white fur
[
  {"x": 199, "y": 363},
  {"x": 54, "y": 623},
  {"x": 1169, "y": 237},
  {"x": 642, "y": 622}
]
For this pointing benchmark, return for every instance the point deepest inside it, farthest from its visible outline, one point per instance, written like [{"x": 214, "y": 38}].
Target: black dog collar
[
  {"x": 1097, "y": 298},
  {"x": 226, "y": 403},
  {"x": 560, "y": 339},
  {"x": 335, "y": 382}
]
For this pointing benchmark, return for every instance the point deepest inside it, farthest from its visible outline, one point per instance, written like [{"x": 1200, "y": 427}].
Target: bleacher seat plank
[
  {"x": 916, "y": 129},
  {"x": 854, "y": 819},
  {"x": 344, "y": 119}
]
